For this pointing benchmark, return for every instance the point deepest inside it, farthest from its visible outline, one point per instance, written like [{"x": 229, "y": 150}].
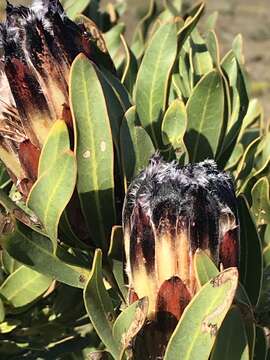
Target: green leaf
[
  {"x": 129, "y": 323},
  {"x": 205, "y": 269},
  {"x": 190, "y": 23},
  {"x": 99, "y": 306},
  {"x": 116, "y": 257},
  {"x": 94, "y": 150},
  {"x": 9, "y": 264},
  {"x": 205, "y": 109},
  {"x": 2, "y": 312},
  {"x": 194, "y": 335},
  {"x": 201, "y": 59},
  {"x": 174, "y": 125},
  {"x": 239, "y": 105},
  {"x": 267, "y": 235},
  {"x": 24, "y": 286},
  {"x": 35, "y": 251},
  {"x": 254, "y": 112},
  {"x": 250, "y": 253},
  {"x": 260, "y": 201},
  {"x": 210, "y": 22},
  {"x": 4, "y": 177},
  {"x": 174, "y": 6},
  {"x": 251, "y": 180},
  {"x": 130, "y": 71},
  {"x": 136, "y": 146},
  {"x": 235, "y": 157},
  {"x": 151, "y": 89},
  {"x": 9, "y": 325},
  {"x": 237, "y": 47},
  {"x": 52, "y": 191},
  {"x": 56, "y": 143},
  {"x": 231, "y": 342},
  {"x": 261, "y": 346},
  {"x": 246, "y": 164},
  {"x": 184, "y": 68},
  {"x": 113, "y": 39},
  {"x": 74, "y": 7},
  {"x": 141, "y": 30},
  {"x": 213, "y": 48},
  {"x": 266, "y": 255}
]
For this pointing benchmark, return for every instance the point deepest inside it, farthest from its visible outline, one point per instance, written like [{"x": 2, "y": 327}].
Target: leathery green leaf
[
  {"x": 260, "y": 201},
  {"x": 129, "y": 323},
  {"x": 141, "y": 30},
  {"x": 205, "y": 269},
  {"x": 9, "y": 264},
  {"x": 235, "y": 157},
  {"x": 116, "y": 258},
  {"x": 57, "y": 142},
  {"x": 131, "y": 67},
  {"x": 2, "y": 311},
  {"x": 205, "y": 109},
  {"x": 250, "y": 253},
  {"x": 195, "y": 333},
  {"x": 52, "y": 191},
  {"x": 94, "y": 150},
  {"x": 261, "y": 344},
  {"x": 174, "y": 125},
  {"x": 151, "y": 88},
  {"x": 190, "y": 23},
  {"x": 24, "y": 286},
  {"x": 36, "y": 251},
  {"x": 201, "y": 59},
  {"x": 113, "y": 40},
  {"x": 136, "y": 146},
  {"x": 246, "y": 164},
  {"x": 231, "y": 342},
  {"x": 99, "y": 306},
  {"x": 266, "y": 255}
]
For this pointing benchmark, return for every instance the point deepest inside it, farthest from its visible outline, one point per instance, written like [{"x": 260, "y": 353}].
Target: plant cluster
[{"x": 81, "y": 113}]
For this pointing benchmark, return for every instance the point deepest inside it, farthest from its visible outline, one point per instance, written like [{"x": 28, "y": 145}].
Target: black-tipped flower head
[
  {"x": 39, "y": 45},
  {"x": 169, "y": 213}
]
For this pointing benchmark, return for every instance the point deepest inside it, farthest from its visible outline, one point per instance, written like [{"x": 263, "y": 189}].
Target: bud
[
  {"x": 39, "y": 45},
  {"x": 169, "y": 213}
]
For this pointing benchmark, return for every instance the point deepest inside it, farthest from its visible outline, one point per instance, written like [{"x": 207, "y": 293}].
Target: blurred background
[{"x": 248, "y": 17}]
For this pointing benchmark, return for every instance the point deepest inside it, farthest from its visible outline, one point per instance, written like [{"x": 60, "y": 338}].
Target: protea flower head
[
  {"x": 39, "y": 44},
  {"x": 169, "y": 213}
]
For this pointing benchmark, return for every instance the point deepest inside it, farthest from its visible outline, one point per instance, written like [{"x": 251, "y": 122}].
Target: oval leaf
[
  {"x": 94, "y": 150},
  {"x": 195, "y": 333},
  {"x": 57, "y": 142},
  {"x": 35, "y": 251},
  {"x": 250, "y": 253},
  {"x": 231, "y": 343},
  {"x": 24, "y": 286},
  {"x": 205, "y": 269},
  {"x": 99, "y": 306},
  {"x": 136, "y": 146},
  {"x": 205, "y": 111},
  {"x": 130, "y": 322},
  {"x": 174, "y": 125},
  {"x": 52, "y": 191},
  {"x": 153, "y": 77},
  {"x": 260, "y": 201},
  {"x": 261, "y": 344}
]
